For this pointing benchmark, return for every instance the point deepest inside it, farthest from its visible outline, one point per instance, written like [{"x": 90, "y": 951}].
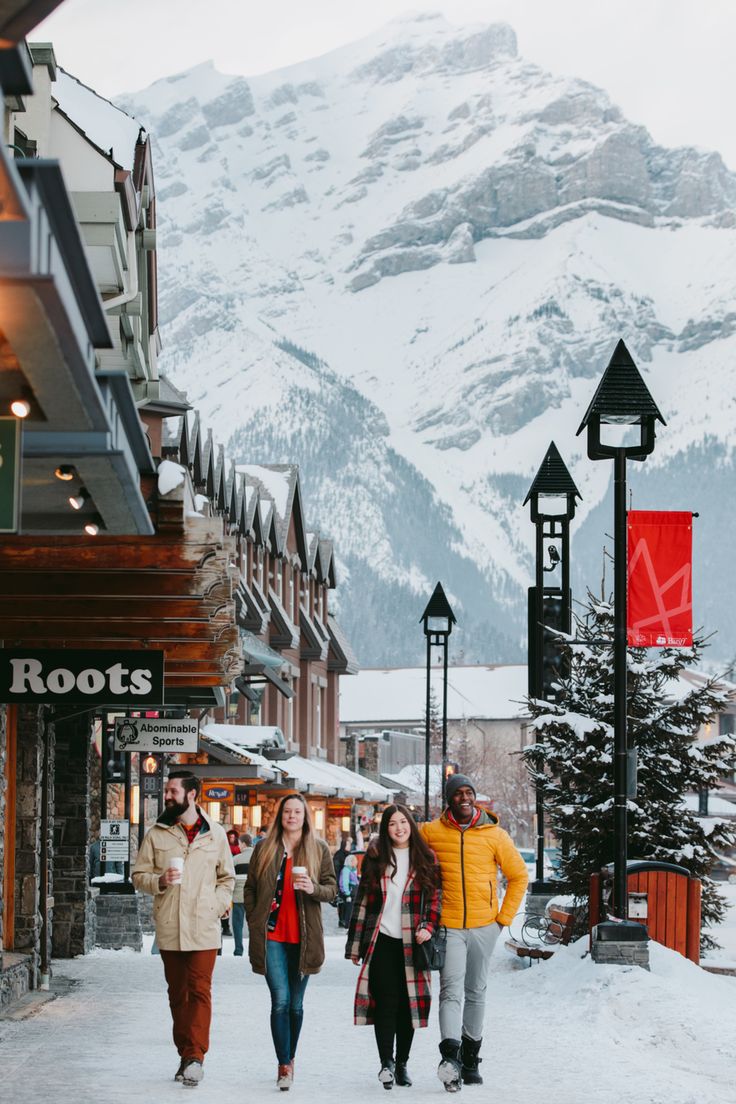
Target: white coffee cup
[
  {"x": 298, "y": 872},
  {"x": 177, "y": 864}
]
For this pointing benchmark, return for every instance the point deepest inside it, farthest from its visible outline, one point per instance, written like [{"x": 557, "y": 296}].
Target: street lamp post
[
  {"x": 622, "y": 399},
  {"x": 437, "y": 621},
  {"x": 552, "y": 503}
]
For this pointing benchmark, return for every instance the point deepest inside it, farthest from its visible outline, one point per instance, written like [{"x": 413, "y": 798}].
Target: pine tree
[
  {"x": 573, "y": 758},
  {"x": 435, "y": 727}
]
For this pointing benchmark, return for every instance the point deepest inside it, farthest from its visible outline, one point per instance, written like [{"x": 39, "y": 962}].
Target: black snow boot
[
  {"x": 402, "y": 1074},
  {"x": 449, "y": 1070},
  {"x": 469, "y": 1052}
]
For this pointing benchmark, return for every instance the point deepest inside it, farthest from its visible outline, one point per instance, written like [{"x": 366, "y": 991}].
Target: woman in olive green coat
[{"x": 290, "y": 875}]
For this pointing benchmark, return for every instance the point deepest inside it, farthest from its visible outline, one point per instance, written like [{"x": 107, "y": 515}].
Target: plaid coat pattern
[{"x": 363, "y": 933}]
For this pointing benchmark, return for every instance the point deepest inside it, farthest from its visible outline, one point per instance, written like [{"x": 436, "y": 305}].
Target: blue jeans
[
  {"x": 287, "y": 997},
  {"x": 236, "y": 920}
]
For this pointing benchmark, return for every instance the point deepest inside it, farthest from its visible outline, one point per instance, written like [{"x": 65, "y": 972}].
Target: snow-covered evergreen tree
[{"x": 572, "y": 757}]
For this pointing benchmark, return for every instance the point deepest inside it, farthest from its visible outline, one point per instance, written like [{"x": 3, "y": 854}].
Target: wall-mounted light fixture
[
  {"x": 65, "y": 472},
  {"x": 213, "y": 810},
  {"x": 255, "y": 816},
  {"x": 78, "y": 500},
  {"x": 93, "y": 526},
  {"x": 319, "y": 820},
  {"x": 21, "y": 408}
]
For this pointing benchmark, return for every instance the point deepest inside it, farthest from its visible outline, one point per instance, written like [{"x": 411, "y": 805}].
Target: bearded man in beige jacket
[{"x": 185, "y": 862}]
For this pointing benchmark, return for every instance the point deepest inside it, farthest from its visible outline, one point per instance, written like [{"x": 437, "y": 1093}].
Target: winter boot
[
  {"x": 402, "y": 1074},
  {"x": 386, "y": 1075},
  {"x": 285, "y": 1077},
  {"x": 449, "y": 1070},
  {"x": 469, "y": 1052},
  {"x": 192, "y": 1073}
]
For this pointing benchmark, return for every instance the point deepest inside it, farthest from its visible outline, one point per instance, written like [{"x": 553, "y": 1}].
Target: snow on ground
[
  {"x": 725, "y": 933},
  {"x": 565, "y": 1030}
]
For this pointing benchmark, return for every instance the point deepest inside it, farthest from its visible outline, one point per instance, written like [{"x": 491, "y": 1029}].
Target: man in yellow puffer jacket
[{"x": 471, "y": 849}]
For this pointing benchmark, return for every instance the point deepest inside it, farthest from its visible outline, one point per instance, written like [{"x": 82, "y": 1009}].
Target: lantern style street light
[
  {"x": 552, "y": 498},
  {"x": 437, "y": 621},
  {"x": 622, "y": 399}
]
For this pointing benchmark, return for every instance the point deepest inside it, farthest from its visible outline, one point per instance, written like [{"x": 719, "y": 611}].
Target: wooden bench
[{"x": 555, "y": 929}]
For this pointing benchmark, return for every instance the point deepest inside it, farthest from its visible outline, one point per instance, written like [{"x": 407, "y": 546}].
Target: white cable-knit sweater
[{"x": 391, "y": 915}]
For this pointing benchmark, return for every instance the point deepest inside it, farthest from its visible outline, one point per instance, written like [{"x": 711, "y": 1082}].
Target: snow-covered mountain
[{"x": 404, "y": 265}]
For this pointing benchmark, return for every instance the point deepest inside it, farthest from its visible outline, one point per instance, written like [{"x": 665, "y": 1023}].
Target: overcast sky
[{"x": 669, "y": 64}]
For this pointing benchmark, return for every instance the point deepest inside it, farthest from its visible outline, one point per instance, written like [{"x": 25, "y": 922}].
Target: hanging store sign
[
  {"x": 54, "y": 676},
  {"x": 660, "y": 596},
  {"x": 156, "y": 734},
  {"x": 10, "y": 431},
  {"x": 218, "y": 791}
]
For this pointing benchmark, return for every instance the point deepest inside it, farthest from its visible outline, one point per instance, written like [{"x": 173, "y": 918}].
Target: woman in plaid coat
[{"x": 396, "y": 909}]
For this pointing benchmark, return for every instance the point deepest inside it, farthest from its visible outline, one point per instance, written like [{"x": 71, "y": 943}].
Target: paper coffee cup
[
  {"x": 298, "y": 872},
  {"x": 177, "y": 864}
]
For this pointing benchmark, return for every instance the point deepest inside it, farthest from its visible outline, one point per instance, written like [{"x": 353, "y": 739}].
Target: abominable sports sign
[{"x": 154, "y": 734}]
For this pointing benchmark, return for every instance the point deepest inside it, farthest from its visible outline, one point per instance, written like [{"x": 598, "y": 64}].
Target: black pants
[{"x": 392, "y": 1015}]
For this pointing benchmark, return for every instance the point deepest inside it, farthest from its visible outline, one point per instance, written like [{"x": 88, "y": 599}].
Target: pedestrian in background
[
  {"x": 241, "y": 862},
  {"x": 185, "y": 862},
  {"x": 348, "y": 884},
  {"x": 397, "y": 908},
  {"x": 290, "y": 875},
  {"x": 472, "y": 849},
  {"x": 341, "y": 854}
]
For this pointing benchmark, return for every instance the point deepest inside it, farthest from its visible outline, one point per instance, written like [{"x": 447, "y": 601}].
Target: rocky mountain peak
[{"x": 403, "y": 265}]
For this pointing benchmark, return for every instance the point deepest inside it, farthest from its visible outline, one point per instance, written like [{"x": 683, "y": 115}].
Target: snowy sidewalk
[{"x": 563, "y": 1031}]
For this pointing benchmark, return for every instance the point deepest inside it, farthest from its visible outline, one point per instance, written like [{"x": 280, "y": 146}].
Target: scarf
[{"x": 278, "y": 895}]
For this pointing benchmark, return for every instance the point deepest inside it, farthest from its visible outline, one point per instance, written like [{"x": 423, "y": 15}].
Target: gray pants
[{"x": 466, "y": 974}]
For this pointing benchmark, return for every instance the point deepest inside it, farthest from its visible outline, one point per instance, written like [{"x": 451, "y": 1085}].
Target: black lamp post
[
  {"x": 552, "y": 497},
  {"x": 437, "y": 621},
  {"x": 622, "y": 399}
]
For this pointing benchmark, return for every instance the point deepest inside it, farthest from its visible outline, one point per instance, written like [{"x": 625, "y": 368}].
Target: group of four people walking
[{"x": 414, "y": 880}]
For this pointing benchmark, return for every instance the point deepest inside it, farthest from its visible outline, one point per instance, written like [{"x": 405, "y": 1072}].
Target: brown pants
[{"x": 189, "y": 978}]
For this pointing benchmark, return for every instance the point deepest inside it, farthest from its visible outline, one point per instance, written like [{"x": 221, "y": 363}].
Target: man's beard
[{"x": 178, "y": 808}]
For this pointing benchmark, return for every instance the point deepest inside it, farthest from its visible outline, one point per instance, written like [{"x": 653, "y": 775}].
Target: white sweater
[{"x": 391, "y": 915}]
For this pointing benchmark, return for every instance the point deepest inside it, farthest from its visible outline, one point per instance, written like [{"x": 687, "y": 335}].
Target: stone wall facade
[
  {"x": 14, "y": 979},
  {"x": 118, "y": 921},
  {"x": 74, "y": 910},
  {"x": 28, "y": 833}
]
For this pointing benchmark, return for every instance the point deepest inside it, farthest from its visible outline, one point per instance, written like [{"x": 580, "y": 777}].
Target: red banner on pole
[{"x": 660, "y": 601}]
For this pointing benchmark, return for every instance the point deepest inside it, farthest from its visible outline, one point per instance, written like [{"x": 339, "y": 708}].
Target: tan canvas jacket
[{"x": 187, "y": 916}]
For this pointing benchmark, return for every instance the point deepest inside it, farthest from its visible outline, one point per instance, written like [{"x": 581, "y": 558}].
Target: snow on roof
[
  {"x": 275, "y": 482},
  {"x": 253, "y": 758},
  {"x": 715, "y": 805},
  {"x": 330, "y": 778},
  {"x": 398, "y": 694},
  {"x": 170, "y": 476},
  {"x": 245, "y": 737},
  {"x": 110, "y": 129},
  {"x": 410, "y": 779}
]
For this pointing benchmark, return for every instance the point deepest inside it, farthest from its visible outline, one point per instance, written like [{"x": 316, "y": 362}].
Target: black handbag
[{"x": 432, "y": 953}]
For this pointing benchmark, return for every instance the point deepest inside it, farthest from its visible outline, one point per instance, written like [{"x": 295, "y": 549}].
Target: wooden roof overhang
[{"x": 156, "y": 592}]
